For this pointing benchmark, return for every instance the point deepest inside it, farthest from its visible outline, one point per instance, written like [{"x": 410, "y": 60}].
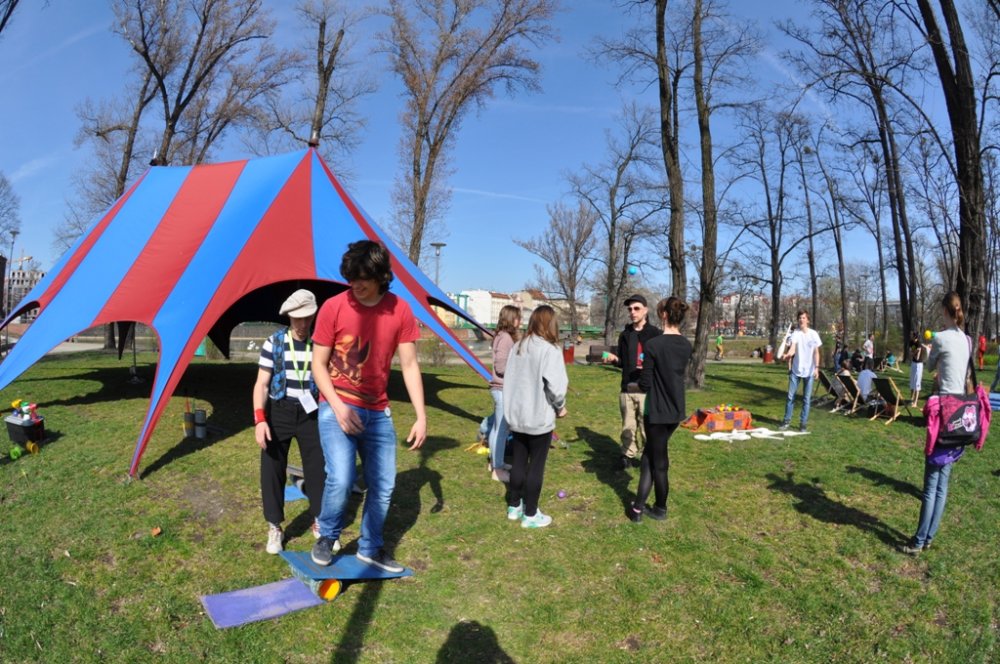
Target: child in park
[
  {"x": 662, "y": 379},
  {"x": 508, "y": 327},
  {"x": 534, "y": 395}
]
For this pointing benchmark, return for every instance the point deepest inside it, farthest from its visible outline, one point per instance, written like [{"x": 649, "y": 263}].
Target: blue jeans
[
  {"x": 376, "y": 444},
  {"x": 499, "y": 432},
  {"x": 932, "y": 506},
  {"x": 793, "y": 387}
]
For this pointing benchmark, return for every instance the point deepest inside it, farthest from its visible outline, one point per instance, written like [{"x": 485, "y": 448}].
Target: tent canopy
[{"x": 193, "y": 251}]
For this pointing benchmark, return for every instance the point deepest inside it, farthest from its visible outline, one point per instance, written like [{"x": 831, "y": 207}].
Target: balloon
[{"x": 632, "y": 269}]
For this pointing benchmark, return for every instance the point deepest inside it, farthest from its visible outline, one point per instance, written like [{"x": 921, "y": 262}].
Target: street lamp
[
  {"x": 437, "y": 261},
  {"x": 10, "y": 273}
]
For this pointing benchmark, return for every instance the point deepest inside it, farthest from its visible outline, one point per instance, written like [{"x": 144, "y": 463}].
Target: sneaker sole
[
  {"x": 321, "y": 563},
  {"x": 388, "y": 568},
  {"x": 514, "y": 517}
]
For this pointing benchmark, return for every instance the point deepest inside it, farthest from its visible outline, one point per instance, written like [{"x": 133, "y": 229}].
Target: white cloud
[
  {"x": 496, "y": 194},
  {"x": 30, "y": 168}
]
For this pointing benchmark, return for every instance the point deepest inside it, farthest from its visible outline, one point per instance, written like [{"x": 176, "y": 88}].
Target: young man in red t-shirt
[{"x": 357, "y": 334}]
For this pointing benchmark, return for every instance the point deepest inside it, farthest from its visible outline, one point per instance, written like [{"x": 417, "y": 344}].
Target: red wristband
[{"x": 259, "y": 416}]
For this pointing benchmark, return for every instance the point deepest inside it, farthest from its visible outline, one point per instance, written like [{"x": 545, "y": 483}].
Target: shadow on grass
[
  {"x": 764, "y": 394},
  {"x": 434, "y": 385},
  {"x": 879, "y": 479},
  {"x": 603, "y": 459},
  {"x": 470, "y": 641},
  {"x": 403, "y": 514},
  {"x": 814, "y": 502}
]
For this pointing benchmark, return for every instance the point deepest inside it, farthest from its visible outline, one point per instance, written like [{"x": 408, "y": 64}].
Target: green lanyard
[{"x": 299, "y": 373}]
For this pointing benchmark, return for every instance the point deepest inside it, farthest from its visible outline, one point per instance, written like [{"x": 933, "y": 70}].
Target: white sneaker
[
  {"x": 274, "y": 537},
  {"x": 538, "y": 521},
  {"x": 515, "y": 513}
]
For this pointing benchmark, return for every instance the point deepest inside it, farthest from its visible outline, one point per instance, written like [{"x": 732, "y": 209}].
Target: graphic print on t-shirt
[{"x": 347, "y": 361}]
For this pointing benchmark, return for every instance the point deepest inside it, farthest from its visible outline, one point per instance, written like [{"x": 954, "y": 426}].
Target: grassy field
[{"x": 780, "y": 551}]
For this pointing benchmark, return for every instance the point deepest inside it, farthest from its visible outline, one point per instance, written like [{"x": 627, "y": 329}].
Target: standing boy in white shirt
[{"x": 803, "y": 364}]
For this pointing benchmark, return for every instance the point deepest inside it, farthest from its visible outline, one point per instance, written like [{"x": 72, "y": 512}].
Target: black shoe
[
  {"x": 322, "y": 551},
  {"x": 802, "y": 428},
  {"x": 632, "y": 515},
  {"x": 783, "y": 427},
  {"x": 624, "y": 462},
  {"x": 382, "y": 560},
  {"x": 657, "y": 513}
]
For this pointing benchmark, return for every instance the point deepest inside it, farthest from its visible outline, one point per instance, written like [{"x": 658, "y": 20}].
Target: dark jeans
[
  {"x": 655, "y": 464},
  {"x": 528, "y": 469},
  {"x": 287, "y": 419}
]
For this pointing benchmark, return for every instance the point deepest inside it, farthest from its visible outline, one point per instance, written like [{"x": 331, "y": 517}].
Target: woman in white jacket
[{"x": 534, "y": 395}]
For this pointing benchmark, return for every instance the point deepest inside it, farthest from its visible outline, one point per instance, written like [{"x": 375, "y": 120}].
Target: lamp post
[
  {"x": 10, "y": 273},
  {"x": 437, "y": 261}
]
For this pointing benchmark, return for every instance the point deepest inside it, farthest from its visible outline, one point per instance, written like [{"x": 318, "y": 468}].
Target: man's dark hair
[{"x": 365, "y": 259}]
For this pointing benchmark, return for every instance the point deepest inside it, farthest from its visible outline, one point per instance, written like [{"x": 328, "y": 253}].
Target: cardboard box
[{"x": 21, "y": 430}]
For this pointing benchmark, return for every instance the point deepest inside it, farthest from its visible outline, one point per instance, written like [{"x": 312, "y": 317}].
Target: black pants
[
  {"x": 655, "y": 464},
  {"x": 287, "y": 419},
  {"x": 528, "y": 469}
]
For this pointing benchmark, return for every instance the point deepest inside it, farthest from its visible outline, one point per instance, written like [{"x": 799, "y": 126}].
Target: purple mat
[{"x": 272, "y": 600}]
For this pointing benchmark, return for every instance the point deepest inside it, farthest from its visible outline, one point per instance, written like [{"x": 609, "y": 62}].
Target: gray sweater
[
  {"x": 950, "y": 356},
  {"x": 534, "y": 386}
]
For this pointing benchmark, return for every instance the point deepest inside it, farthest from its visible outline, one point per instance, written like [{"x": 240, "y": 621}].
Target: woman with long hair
[
  {"x": 508, "y": 330},
  {"x": 534, "y": 395},
  {"x": 950, "y": 353},
  {"x": 662, "y": 379}
]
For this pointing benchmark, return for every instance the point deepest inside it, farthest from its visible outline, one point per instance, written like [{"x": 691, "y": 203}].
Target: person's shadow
[
  {"x": 603, "y": 460},
  {"x": 879, "y": 479},
  {"x": 472, "y": 642},
  {"x": 814, "y": 502},
  {"x": 404, "y": 511}
]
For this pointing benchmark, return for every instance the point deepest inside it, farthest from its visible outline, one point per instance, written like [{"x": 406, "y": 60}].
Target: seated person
[
  {"x": 857, "y": 360},
  {"x": 845, "y": 368},
  {"x": 866, "y": 380},
  {"x": 844, "y": 399},
  {"x": 891, "y": 361}
]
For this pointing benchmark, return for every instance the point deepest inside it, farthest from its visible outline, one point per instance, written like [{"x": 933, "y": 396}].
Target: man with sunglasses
[{"x": 629, "y": 358}]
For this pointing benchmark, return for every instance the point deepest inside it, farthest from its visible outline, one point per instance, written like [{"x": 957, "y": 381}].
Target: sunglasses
[{"x": 635, "y": 307}]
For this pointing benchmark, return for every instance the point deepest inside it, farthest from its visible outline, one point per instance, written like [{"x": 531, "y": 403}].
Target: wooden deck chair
[
  {"x": 853, "y": 399},
  {"x": 886, "y": 388},
  {"x": 834, "y": 390}
]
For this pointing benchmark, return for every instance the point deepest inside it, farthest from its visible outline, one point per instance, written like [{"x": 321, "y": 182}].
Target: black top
[
  {"x": 628, "y": 350},
  {"x": 662, "y": 377}
]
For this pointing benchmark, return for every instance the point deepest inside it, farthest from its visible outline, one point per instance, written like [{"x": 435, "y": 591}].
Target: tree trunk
[{"x": 670, "y": 145}]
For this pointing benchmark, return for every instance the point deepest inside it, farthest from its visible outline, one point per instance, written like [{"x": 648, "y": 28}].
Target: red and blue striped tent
[{"x": 192, "y": 251}]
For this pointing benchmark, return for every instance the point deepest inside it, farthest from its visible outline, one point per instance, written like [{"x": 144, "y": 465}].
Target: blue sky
[{"x": 510, "y": 161}]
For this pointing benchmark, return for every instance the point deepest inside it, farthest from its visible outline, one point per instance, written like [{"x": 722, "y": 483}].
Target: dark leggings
[
  {"x": 655, "y": 464},
  {"x": 526, "y": 473},
  {"x": 287, "y": 419}
]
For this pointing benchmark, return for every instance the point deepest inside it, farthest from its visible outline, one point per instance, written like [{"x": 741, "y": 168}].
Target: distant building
[
  {"x": 484, "y": 305},
  {"x": 21, "y": 283}
]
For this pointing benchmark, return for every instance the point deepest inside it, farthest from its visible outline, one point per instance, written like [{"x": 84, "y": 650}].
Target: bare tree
[
  {"x": 566, "y": 246},
  {"x": 767, "y": 158},
  {"x": 958, "y": 84},
  {"x": 10, "y": 206},
  {"x": 319, "y": 106},
  {"x": 451, "y": 55},
  {"x": 210, "y": 64},
  {"x": 624, "y": 193},
  {"x": 7, "y": 8},
  {"x": 858, "y": 53}
]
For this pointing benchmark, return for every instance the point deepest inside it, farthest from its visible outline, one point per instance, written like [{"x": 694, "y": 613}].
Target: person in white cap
[{"x": 284, "y": 407}]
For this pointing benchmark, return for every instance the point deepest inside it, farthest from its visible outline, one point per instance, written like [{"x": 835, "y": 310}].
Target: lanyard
[{"x": 299, "y": 373}]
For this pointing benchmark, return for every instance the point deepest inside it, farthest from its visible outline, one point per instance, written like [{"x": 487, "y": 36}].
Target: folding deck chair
[
  {"x": 886, "y": 388},
  {"x": 853, "y": 397},
  {"x": 834, "y": 390}
]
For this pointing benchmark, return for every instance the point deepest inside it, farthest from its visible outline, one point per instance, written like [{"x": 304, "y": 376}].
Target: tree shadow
[
  {"x": 404, "y": 511},
  {"x": 879, "y": 479},
  {"x": 434, "y": 386},
  {"x": 814, "y": 502},
  {"x": 603, "y": 460},
  {"x": 470, "y": 641},
  {"x": 764, "y": 394}
]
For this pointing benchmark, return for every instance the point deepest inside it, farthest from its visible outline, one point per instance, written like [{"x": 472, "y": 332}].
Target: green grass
[{"x": 773, "y": 551}]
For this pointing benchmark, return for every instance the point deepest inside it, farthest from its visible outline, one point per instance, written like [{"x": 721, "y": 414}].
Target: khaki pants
[{"x": 632, "y": 427}]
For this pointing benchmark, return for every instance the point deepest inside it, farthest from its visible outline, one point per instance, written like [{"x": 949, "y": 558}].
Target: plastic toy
[
  {"x": 562, "y": 494},
  {"x": 928, "y": 335}
]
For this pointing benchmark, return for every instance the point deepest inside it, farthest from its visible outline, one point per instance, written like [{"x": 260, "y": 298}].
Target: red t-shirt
[{"x": 363, "y": 341}]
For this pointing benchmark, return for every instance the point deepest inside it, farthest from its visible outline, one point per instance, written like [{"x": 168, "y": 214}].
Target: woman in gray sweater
[
  {"x": 950, "y": 352},
  {"x": 534, "y": 395}
]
